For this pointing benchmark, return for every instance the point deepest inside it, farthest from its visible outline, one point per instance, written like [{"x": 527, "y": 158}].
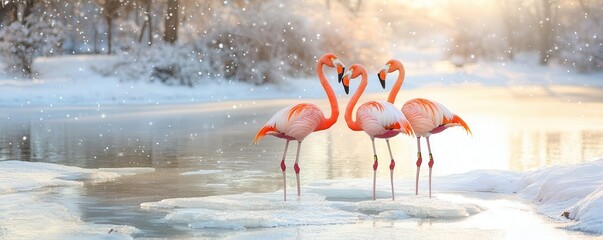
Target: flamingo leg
[
  {"x": 296, "y": 166},
  {"x": 283, "y": 167},
  {"x": 419, "y": 161},
  {"x": 392, "y": 165},
  {"x": 430, "y": 164},
  {"x": 375, "y": 165}
]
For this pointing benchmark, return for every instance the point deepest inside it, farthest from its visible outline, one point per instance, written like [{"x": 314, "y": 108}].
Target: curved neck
[
  {"x": 352, "y": 103},
  {"x": 327, "y": 122},
  {"x": 394, "y": 92}
]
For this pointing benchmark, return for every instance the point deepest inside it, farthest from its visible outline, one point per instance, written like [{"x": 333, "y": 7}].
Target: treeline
[{"x": 186, "y": 42}]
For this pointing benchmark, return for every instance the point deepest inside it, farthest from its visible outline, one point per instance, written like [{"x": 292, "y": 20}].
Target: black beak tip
[
  {"x": 382, "y": 83},
  {"x": 340, "y": 75},
  {"x": 347, "y": 89}
]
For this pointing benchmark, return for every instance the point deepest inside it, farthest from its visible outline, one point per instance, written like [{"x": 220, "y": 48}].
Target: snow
[
  {"x": 26, "y": 211},
  {"x": 575, "y": 189}
]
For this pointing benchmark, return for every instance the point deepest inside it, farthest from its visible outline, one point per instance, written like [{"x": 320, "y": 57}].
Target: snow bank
[
  {"x": 27, "y": 211},
  {"x": 575, "y": 191},
  {"x": 589, "y": 213}
]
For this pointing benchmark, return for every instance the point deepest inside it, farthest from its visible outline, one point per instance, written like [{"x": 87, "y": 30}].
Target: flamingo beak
[
  {"x": 381, "y": 76},
  {"x": 340, "y": 71},
  {"x": 346, "y": 87}
]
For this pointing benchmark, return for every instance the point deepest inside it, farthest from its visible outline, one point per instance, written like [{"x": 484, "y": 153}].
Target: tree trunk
[
  {"x": 546, "y": 33},
  {"x": 8, "y": 14},
  {"x": 171, "y": 22},
  {"x": 510, "y": 19},
  {"x": 109, "y": 33},
  {"x": 150, "y": 19}
]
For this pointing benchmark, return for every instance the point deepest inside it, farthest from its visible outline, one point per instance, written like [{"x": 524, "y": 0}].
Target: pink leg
[
  {"x": 375, "y": 165},
  {"x": 283, "y": 167},
  {"x": 392, "y": 165},
  {"x": 296, "y": 167},
  {"x": 419, "y": 161},
  {"x": 430, "y": 164}
]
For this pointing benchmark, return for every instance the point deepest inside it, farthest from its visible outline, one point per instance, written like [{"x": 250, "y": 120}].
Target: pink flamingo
[
  {"x": 425, "y": 116},
  {"x": 297, "y": 121},
  {"x": 379, "y": 119}
]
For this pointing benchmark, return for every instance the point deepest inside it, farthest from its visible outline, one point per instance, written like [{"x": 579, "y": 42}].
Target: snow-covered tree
[{"x": 37, "y": 35}]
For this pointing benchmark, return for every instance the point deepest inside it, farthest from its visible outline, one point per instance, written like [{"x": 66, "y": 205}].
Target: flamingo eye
[{"x": 385, "y": 68}]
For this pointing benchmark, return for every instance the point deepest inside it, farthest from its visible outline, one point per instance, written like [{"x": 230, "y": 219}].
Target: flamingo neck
[
  {"x": 352, "y": 103},
  {"x": 394, "y": 92},
  {"x": 327, "y": 122}
]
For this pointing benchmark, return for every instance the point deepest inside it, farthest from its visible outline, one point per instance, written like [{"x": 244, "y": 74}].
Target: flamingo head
[
  {"x": 383, "y": 73},
  {"x": 354, "y": 71},
  {"x": 332, "y": 61},
  {"x": 389, "y": 67}
]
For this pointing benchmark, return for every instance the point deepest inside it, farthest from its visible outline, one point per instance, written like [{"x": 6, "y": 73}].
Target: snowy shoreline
[
  {"x": 25, "y": 211},
  {"x": 72, "y": 81},
  {"x": 575, "y": 189}
]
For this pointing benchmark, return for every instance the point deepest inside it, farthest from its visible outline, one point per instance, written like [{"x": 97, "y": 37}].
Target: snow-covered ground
[
  {"x": 559, "y": 192},
  {"x": 26, "y": 213},
  {"x": 72, "y": 80}
]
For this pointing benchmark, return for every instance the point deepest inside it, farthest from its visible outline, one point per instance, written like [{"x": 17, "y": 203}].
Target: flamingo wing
[
  {"x": 379, "y": 117},
  {"x": 428, "y": 117},
  {"x": 293, "y": 122}
]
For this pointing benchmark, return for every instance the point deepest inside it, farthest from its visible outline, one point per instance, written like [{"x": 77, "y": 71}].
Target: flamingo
[
  {"x": 425, "y": 116},
  {"x": 297, "y": 121},
  {"x": 378, "y": 119}
]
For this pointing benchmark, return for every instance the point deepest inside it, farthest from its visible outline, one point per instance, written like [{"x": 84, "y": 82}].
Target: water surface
[{"x": 517, "y": 128}]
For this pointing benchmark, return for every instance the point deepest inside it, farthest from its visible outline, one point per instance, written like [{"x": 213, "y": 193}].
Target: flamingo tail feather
[
  {"x": 263, "y": 131},
  {"x": 458, "y": 120}
]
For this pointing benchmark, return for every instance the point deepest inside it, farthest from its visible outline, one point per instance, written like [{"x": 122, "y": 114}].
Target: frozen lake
[{"x": 201, "y": 150}]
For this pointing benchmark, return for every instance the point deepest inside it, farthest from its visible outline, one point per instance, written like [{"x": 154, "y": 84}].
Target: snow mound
[
  {"x": 589, "y": 213},
  {"x": 18, "y": 176},
  {"x": 575, "y": 189}
]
